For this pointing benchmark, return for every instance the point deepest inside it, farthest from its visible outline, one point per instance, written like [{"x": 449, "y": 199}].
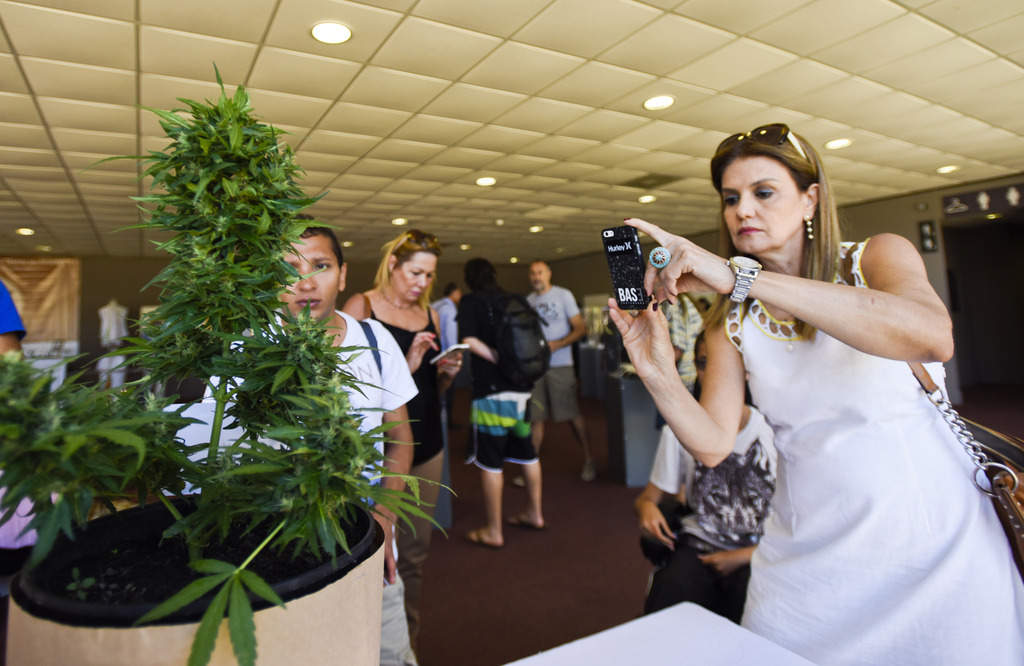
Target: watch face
[{"x": 745, "y": 262}]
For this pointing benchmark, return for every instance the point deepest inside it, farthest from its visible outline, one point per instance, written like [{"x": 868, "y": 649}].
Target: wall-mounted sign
[{"x": 996, "y": 200}]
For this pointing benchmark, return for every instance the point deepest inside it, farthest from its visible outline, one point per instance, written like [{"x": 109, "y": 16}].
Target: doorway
[{"x": 985, "y": 259}]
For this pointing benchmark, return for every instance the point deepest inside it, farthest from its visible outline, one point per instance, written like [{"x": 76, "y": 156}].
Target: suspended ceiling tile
[
  {"x": 50, "y": 78},
  {"x": 656, "y": 135},
  {"x": 362, "y": 119},
  {"x": 738, "y": 61},
  {"x": 434, "y": 129},
  {"x": 518, "y": 164},
  {"x": 81, "y": 115},
  {"x": 662, "y": 45},
  {"x": 608, "y": 155},
  {"x": 537, "y": 114},
  {"x": 822, "y": 23},
  {"x": 29, "y": 157},
  {"x": 603, "y": 125},
  {"x": 91, "y": 141},
  {"x": 521, "y": 68},
  {"x": 465, "y": 158},
  {"x": 726, "y": 16},
  {"x": 835, "y": 100},
  {"x": 557, "y": 147},
  {"x": 11, "y": 80},
  {"x": 162, "y": 92},
  {"x": 462, "y": 101},
  {"x": 800, "y": 77},
  {"x": 302, "y": 74},
  {"x": 596, "y": 84},
  {"x": 932, "y": 63},
  {"x": 339, "y": 143},
  {"x": 190, "y": 56},
  {"x": 115, "y": 9},
  {"x": 501, "y": 18},
  {"x": 19, "y": 109},
  {"x": 452, "y": 50},
  {"x": 57, "y": 35},
  {"x": 883, "y": 44},
  {"x": 595, "y": 25},
  {"x": 502, "y": 139},
  {"x": 1003, "y": 36},
  {"x": 281, "y": 109},
  {"x": 23, "y": 136},
  {"x": 375, "y": 167},
  {"x": 965, "y": 17},
  {"x": 390, "y": 89},
  {"x": 87, "y": 162},
  {"x": 967, "y": 83},
  {"x": 721, "y": 112},
  {"x": 568, "y": 171},
  {"x": 240, "y": 20}
]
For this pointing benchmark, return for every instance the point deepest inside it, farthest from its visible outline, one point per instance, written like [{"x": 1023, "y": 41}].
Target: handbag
[{"x": 997, "y": 456}]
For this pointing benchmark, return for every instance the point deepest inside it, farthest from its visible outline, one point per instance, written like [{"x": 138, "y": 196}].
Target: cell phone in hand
[
  {"x": 626, "y": 266},
  {"x": 449, "y": 352}
]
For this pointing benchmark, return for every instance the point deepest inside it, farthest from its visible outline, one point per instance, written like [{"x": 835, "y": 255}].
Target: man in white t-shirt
[
  {"x": 554, "y": 394},
  {"x": 319, "y": 258}
]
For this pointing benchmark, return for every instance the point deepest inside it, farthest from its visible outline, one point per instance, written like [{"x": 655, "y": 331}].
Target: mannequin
[{"x": 113, "y": 327}]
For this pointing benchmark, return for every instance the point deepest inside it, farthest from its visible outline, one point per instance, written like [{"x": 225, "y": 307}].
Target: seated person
[{"x": 707, "y": 553}]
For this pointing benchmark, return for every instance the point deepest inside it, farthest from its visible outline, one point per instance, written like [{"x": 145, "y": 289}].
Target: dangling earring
[{"x": 810, "y": 229}]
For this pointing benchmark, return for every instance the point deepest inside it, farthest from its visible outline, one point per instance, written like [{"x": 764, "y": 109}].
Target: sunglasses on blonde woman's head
[
  {"x": 769, "y": 135},
  {"x": 420, "y": 241}
]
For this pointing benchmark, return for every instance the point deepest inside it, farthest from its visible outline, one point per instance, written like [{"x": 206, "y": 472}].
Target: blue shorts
[{"x": 501, "y": 431}]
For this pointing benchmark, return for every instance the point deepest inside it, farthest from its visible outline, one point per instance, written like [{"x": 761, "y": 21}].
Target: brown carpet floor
[{"x": 581, "y": 576}]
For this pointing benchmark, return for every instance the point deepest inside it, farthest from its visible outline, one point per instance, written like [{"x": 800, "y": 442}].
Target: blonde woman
[{"x": 400, "y": 300}]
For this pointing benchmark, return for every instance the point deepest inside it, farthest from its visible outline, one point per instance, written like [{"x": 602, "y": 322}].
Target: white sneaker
[{"x": 589, "y": 472}]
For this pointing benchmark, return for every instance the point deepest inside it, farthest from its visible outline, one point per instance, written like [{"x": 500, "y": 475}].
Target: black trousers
[{"x": 685, "y": 578}]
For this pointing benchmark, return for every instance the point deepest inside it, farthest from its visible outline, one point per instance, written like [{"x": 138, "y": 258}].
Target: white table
[{"x": 682, "y": 634}]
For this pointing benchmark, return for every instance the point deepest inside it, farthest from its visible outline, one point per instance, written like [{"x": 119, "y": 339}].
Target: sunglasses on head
[
  {"x": 421, "y": 241},
  {"x": 770, "y": 135}
]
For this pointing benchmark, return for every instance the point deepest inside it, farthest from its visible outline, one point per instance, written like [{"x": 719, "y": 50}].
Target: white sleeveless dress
[{"x": 879, "y": 549}]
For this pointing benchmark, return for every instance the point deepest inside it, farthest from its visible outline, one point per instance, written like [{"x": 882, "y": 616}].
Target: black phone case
[{"x": 626, "y": 266}]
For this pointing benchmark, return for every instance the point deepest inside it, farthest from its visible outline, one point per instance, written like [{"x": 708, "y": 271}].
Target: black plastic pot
[
  {"x": 50, "y": 628},
  {"x": 149, "y": 522}
]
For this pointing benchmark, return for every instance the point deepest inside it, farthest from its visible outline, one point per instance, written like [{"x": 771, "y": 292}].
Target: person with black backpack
[{"x": 503, "y": 333}]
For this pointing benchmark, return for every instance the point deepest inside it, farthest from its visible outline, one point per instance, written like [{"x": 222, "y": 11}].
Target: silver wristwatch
[{"x": 746, "y": 271}]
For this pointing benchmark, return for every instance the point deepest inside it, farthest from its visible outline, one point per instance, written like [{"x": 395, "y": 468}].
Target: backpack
[{"x": 523, "y": 352}]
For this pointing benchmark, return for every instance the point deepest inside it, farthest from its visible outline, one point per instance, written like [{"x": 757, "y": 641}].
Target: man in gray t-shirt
[{"x": 554, "y": 394}]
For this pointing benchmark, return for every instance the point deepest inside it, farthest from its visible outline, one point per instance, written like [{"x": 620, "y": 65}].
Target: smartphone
[
  {"x": 626, "y": 266},
  {"x": 451, "y": 350}
]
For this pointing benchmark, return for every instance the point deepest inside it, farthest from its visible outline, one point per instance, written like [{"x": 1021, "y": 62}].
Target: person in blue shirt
[{"x": 11, "y": 328}]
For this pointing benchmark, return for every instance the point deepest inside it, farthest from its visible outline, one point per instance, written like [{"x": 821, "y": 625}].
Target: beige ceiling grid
[{"x": 543, "y": 95}]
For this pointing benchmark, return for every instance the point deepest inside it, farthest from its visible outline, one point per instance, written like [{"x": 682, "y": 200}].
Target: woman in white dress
[{"x": 879, "y": 550}]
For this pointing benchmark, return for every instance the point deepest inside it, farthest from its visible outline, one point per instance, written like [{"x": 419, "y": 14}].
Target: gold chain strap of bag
[{"x": 998, "y": 456}]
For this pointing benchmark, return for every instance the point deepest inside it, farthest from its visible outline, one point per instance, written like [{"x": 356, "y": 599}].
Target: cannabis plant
[{"x": 226, "y": 192}]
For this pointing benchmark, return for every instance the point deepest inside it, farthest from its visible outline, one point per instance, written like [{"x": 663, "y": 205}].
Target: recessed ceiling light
[
  {"x": 499, "y": 222},
  {"x": 330, "y": 32},
  {"x": 513, "y": 260},
  {"x": 25, "y": 231},
  {"x": 465, "y": 246},
  {"x": 994, "y": 216},
  {"x": 836, "y": 144},
  {"x": 486, "y": 181},
  {"x": 347, "y": 244},
  {"x": 536, "y": 229},
  {"x": 949, "y": 168},
  {"x": 660, "y": 102},
  {"x": 559, "y": 250},
  {"x": 399, "y": 221},
  {"x": 647, "y": 198},
  {"x": 44, "y": 248}
]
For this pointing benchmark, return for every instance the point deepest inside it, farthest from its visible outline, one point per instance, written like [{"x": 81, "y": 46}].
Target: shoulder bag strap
[{"x": 368, "y": 330}]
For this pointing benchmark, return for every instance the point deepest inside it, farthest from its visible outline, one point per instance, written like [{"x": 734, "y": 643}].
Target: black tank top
[{"x": 425, "y": 408}]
